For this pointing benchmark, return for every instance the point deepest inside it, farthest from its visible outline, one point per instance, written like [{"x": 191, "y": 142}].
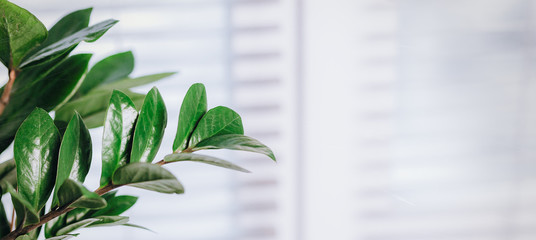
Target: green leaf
[
  {"x": 74, "y": 194},
  {"x": 92, "y": 107},
  {"x": 4, "y": 223},
  {"x": 36, "y": 154},
  {"x": 46, "y": 90},
  {"x": 77, "y": 225},
  {"x": 63, "y": 237},
  {"x": 20, "y": 32},
  {"x": 106, "y": 221},
  {"x": 217, "y": 121},
  {"x": 108, "y": 70},
  {"x": 235, "y": 142},
  {"x": 133, "y": 82},
  {"x": 137, "y": 226},
  {"x": 117, "y": 136},
  {"x": 24, "y": 237},
  {"x": 182, "y": 157},
  {"x": 149, "y": 128},
  {"x": 65, "y": 27},
  {"x": 8, "y": 174},
  {"x": 88, "y": 34},
  {"x": 74, "y": 158},
  {"x": 147, "y": 176},
  {"x": 26, "y": 213},
  {"x": 193, "y": 107},
  {"x": 116, "y": 206}
]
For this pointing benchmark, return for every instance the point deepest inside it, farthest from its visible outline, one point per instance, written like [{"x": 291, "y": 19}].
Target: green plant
[{"x": 53, "y": 156}]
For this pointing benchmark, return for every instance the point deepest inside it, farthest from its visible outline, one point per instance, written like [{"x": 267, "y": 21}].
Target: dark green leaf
[
  {"x": 8, "y": 174},
  {"x": 235, "y": 142},
  {"x": 45, "y": 90},
  {"x": 193, "y": 107},
  {"x": 4, "y": 223},
  {"x": 77, "y": 225},
  {"x": 20, "y": 32},
  {"x": 147, "y": 176},
  {"x": 106, "y": 221},
  {"x": 74, "y": 194},
  {"x": 217, "y": 121},
  {"x": 26, "y": 214},
  {"x": 181, "y": 157},
  {"x": 55, "y": 224},
  {"x": 149, "y": 128},
  {"x": 108, "y": 70},
  {"x": 117, "y": 136},
  {"x": 116, "y": 206},
  {"x": 36, "y": 154},
  {"x": 75, "y": 153},
  {"x": 65, "y": 27},
  {"x": 133, "y": 82},
  {"x": 92, "y": 107},
  {"x": 88, "y": 34}
]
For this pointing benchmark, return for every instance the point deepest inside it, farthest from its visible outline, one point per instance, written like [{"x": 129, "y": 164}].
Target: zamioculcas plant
[{"x": 53, "y": 156}]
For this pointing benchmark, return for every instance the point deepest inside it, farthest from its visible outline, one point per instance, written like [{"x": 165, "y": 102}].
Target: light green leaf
[
  {"x": 193, "y": 107},
  {"x": 147, "y": 176},
  {"x": 217, "y": 121},
  {"x": 77, "y": 225},
  {"x": 235, "y": 142},
  {"x": 74, "y": 194},
  {"x": 63, "y": 237},
  {"x": 138, "y": 226},
  {"x": 108, "y": 70},
  {"x": 92, "y": 107},
  {"x": 75, "y": 153},
  {"x": 23, "y": 237},
  {"x": 182, "y": 157},
  {"x": 117, "y": 136},
  {"x": 36, "y": 155},
  {"x": 8, "y": 174},
  {"x": 88, "y": 34},
  {"x": 127, "y": 83},
  {"x": 149, "y": 128},
  {"x": 26, "y": 214},
  {"x": 107, "y": 221},
  {"x": 20, "y": 32}
]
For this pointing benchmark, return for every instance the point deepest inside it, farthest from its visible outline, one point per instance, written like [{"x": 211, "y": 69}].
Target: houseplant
[{"x": 52, "y": 156}]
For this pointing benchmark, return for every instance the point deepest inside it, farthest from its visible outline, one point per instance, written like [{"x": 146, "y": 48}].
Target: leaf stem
[{"x": 4, "y": 99}]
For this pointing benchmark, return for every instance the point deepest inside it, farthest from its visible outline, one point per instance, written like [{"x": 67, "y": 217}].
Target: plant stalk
[{"x": 4, "y": 99}]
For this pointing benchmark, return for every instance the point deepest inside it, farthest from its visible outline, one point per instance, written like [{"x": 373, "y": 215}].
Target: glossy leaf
[
  {"x": 116, "y": 206},
  {"x": 4, "y": 223},
  {"x": 149, "y": 128},
  {"x": 36, "y": 154},
  {"x": 193, "y": 107},
  {"x": 127, "y": 83},
  {"x": 88, "y": 34},
  {"x": 92, "y": 107},
  {"x": 20, "y": 32},
  {"x": 74, "y": 158},
  {"x": 66, "y": 26},
  {"x": 182, "y": 157},
  {"x": 77, "y": 225},
  {"x": 74, "y": 194},
  {"x": 235, "y": 142},
  {"x": 8, "y": 174},
  {"x": 117, "y": 136},
  {"x": 217, "y": 121},
  {"x": 106, "y": 221},
  {"x": 147, "y": 176},
  {"x": 108, "y": 70},
  {"x": 26, "y": 213},
  {"x": 46, "y": 90}
]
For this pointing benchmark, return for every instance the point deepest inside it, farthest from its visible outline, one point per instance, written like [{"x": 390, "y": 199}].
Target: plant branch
[{"x": 4, "y": 99}]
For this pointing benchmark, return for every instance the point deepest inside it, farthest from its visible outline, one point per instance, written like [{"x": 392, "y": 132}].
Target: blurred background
[{"x": 391, "y": 120}]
